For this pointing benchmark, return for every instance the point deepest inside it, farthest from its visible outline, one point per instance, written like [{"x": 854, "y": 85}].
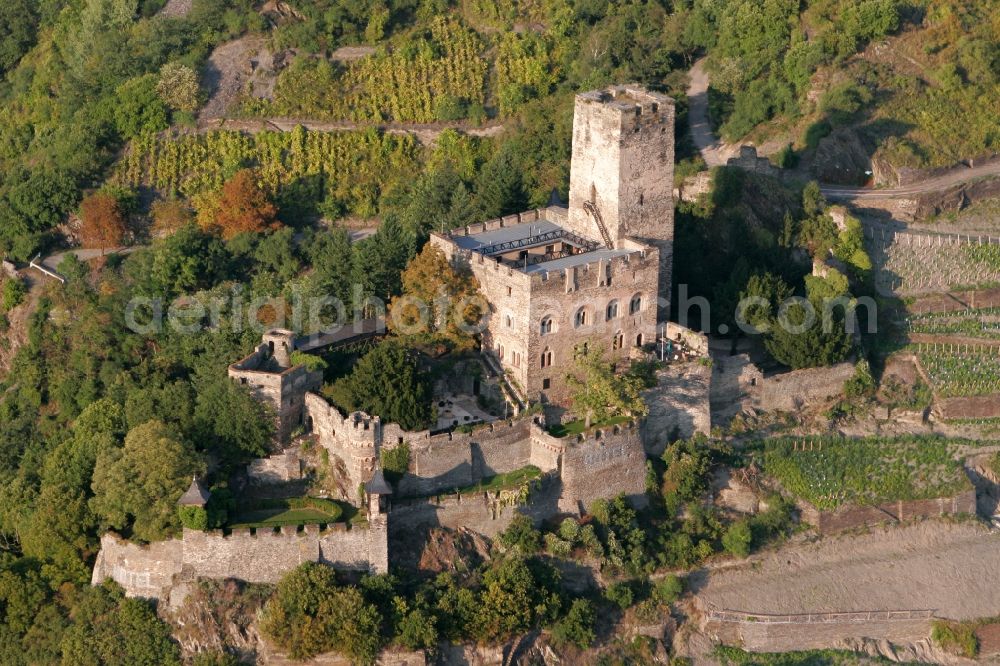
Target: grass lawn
[
  {"x": 290, "y": 511},
  {"x": 577, "y": 427},
  {"x": 514, "y": 479}
]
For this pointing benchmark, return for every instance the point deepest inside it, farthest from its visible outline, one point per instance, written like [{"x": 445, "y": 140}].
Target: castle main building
[{"x": 590, "y": 276}]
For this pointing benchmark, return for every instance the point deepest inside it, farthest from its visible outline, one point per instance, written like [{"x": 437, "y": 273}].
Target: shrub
[
  {"x": 193, "y": 517},
  {"x": 395, "y": 462},
  {"x": 958, "y": 638},
  {"x": 12, "y": 295},
  {"x": 577, "y": 628},
  {"x": 312, "y": 362},
  {"x": 620, "y": 594},
  {"x": 522, "y": 536},
  {"x": 737, "y": 539},
  {"x": 668, "y": 589}
]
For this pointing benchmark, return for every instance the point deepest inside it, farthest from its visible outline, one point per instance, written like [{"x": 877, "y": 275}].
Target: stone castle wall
[
  {"x": 263, "y": 556},
  {"x": 606, "y": 463}
]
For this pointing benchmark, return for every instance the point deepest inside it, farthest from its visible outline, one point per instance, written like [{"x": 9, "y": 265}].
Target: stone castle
[{"x": 595, "y": 275}]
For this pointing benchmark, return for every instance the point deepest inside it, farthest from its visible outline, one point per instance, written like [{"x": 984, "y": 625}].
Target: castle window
[
  {"x": 580, "y": 349},
  {"x": 516, "y": 359},
  {"x": 612, "y": 310},
  {"x": 635, "y": 304},
  {"x": 546, "y": 383},
  {"x": 546, "y": 358},
  {"x": 638, "y": 340},
  {"x": 581, "y": 318},
  {"x": 508, "y": 321},
  {"x": 618, "y": 341},
  {"x": 510, "y": 291},
  {"x": 546, "y": 326},
  {"x": 500, "y": 351}
]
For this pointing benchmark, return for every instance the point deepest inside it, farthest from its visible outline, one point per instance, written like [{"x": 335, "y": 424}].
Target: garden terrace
[
  {"x": 829, "y": 472},
  {"x": 961, "y": 371}
]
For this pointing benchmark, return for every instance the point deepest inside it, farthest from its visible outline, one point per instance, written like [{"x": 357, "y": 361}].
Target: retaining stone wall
[
  {"x": 849, "y": 517},
  {"x": 761, "y": 637}
]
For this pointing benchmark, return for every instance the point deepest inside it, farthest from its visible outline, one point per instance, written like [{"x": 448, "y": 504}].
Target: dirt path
[
  {"x": 948, "y": 567},
  {"x": 713, "y": 151},
  {"x": 425, "y": 133}
]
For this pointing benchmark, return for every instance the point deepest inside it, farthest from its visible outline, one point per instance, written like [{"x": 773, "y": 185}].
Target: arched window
[
  {"x": 638, "y": 340},
  {"x": 635, "y": 304},
  {"x": 581, "y": 318},
  {"x": 612, "y": 310},
  {"x": 618, "y": 341},
  {"x": 546, "y": 326},
  {"x": 500, "y": 351},
  {"x": 508, "y": 321},
  {"x": 516, "y": 359},
  {"x": 546, "y": 358}
]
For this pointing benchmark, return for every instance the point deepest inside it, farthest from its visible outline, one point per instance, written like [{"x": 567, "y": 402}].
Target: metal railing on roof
[{"x": 538, "y": 239}]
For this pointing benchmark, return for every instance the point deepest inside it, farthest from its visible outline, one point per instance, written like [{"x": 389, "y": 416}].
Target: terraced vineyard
[
  {"x": 831, "y": 471},
  {"x": 961, "y": 373},
  {"x": 913, "y": 263},
  {"x": 349, "y": 168},
  {"x": 421, "y": 82},
  {"x": 978, "y": 323}
]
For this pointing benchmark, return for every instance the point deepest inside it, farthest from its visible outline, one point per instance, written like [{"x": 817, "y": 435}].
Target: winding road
[{"x": 716, "y": 153}]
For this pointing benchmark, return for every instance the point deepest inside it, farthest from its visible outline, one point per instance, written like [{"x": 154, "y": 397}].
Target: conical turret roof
[
  {"x": 196, "y": 494},
  {"x": 378, "y": 484}
]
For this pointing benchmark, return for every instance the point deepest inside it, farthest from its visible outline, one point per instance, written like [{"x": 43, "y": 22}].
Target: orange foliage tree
[
  {"x": 243, "y": 206},
  {"x": 437, "y": 298},
  {"x": 103, "y": 222}
]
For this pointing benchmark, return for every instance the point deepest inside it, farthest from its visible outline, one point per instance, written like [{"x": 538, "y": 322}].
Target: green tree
[
  {"x": 513, "y": 600},
  {"x": 387, "y": 382},
  {"x": 110, "y": 630},
  {"x": 599, "y": 393},
  {"x": 500, "y": 187},
  {"x": 309, "y": 614},
  {"x": 577, "y": 628},
  {"x": 139, "y": 109},
  {"x": 234, "y": 425},
  {"x": 737, "y": 539},
  {"x": 521, "y": 536},
  {"x": 136, "y": 487},
  {"x": 801, "y": 343},
  {"x": 379, "y": 260},
  {"x": 18, "y": 27},
  {"x": 178, "y": 87}
]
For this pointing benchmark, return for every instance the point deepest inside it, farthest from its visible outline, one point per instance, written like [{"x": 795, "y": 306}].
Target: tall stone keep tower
[{"x": 622, "y": 173}]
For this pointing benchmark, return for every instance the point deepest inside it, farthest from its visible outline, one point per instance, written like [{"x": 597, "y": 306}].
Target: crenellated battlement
[{"x": 630, "y": 106}]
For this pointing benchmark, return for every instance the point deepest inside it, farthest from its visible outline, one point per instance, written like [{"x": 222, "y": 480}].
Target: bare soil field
[{"x": 944, "y": 566}]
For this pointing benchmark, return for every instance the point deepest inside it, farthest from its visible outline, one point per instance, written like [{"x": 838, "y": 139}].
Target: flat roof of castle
[
  {"x": 535, "y": 234},
  {"x": 575, "y": 260},
  {"x": 512, "y": 234}
]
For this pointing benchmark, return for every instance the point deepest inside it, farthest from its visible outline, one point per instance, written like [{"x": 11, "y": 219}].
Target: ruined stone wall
[
  {"x": 475, "y": 512},
  {"x": 602, "y": 464},
  {"x": 261, "y": 556},
  {"x": 481, "y": 512},
  {"x": 353, "y": 439},
  {"x": 277, "y": 468},
  {"x": 790, "y": 391},
  {"x": 679, "y": 405},
  {"x": 852, "y": 516},
  {"x": 696, "y": 341},
  {"x": 283, "y": 389}
]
